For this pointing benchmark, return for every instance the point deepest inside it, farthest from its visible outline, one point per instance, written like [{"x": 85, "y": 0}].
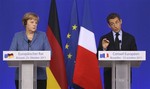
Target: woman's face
[{"x": 31, "y": 25}]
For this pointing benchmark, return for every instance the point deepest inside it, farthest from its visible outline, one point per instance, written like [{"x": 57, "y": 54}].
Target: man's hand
[{"x": 105, "y": 43}]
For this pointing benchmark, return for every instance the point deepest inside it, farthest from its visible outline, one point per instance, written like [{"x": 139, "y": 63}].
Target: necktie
[{"x": 117, "y": 42}]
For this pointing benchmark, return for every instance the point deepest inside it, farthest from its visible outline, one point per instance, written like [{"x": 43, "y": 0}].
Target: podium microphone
[
  {"x": 29, "y": 44},
  {"x": 120, "y": 44}
]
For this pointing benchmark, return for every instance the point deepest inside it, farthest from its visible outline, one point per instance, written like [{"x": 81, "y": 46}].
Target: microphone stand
[{"x": 29, "y": 42}]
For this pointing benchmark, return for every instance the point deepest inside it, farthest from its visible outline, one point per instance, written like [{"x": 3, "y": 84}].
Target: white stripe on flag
[{"x": 87, "y": 39}]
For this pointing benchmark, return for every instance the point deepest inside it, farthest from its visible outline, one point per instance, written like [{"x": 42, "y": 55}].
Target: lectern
[
  {"x": 121, "y": 63},
  {"x": 27, "y": 61}
]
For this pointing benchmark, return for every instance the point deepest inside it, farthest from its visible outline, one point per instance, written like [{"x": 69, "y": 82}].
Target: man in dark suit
[{"x": 117, "y": 39}]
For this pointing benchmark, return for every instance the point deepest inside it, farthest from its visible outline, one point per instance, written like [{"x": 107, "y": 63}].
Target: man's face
[
  {"x": 31, "y": 25},
  {"x": 115, "y": 24}
]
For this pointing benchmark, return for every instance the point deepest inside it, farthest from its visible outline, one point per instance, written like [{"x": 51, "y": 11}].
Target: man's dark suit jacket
[{"x": 128, "y": 43}]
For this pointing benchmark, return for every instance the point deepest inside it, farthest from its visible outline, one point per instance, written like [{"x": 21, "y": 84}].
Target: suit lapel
[
  {"x": 25, "y": 46},
  {"x": 34, "y": 37},
  {"x": 124, "y": 40},
  {"x": 111, "y": 39}
]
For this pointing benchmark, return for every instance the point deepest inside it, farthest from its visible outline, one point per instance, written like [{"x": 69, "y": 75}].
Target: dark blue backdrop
[{"x": 135, "y": 15}]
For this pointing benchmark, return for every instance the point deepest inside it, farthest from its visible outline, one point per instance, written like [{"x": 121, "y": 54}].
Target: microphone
[
  {"x": 29, "y": 44},
  {"x": 120, "y": 44}
]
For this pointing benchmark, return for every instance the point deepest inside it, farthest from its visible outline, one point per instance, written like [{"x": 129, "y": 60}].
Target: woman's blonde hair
[{"x": 29, "y": 15}]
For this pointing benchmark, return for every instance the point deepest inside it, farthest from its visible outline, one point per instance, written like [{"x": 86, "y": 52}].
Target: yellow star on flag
[
  {"x": 74, "y": 27},
  {"x": 67, "y": 46},
  {"x": 69, "y": 56},
  {"x": 68, "y": 35}
]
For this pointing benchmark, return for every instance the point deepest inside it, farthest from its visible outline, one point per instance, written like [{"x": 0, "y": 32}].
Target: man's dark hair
[{"x": 112, "y": 16}]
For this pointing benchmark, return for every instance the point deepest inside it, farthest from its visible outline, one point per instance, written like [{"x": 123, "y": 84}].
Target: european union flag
[
  {"x": 102, "y": 55},
  {"x": 71, "y": 44}
]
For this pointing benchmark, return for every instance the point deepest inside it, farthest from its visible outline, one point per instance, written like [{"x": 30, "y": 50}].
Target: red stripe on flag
[
  {"x": 57, "y": 60},
  {"x": 86, "y": 73}
]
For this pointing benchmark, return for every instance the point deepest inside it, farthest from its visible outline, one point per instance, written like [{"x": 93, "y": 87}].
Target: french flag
[{"x": 86, "y": 73}]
